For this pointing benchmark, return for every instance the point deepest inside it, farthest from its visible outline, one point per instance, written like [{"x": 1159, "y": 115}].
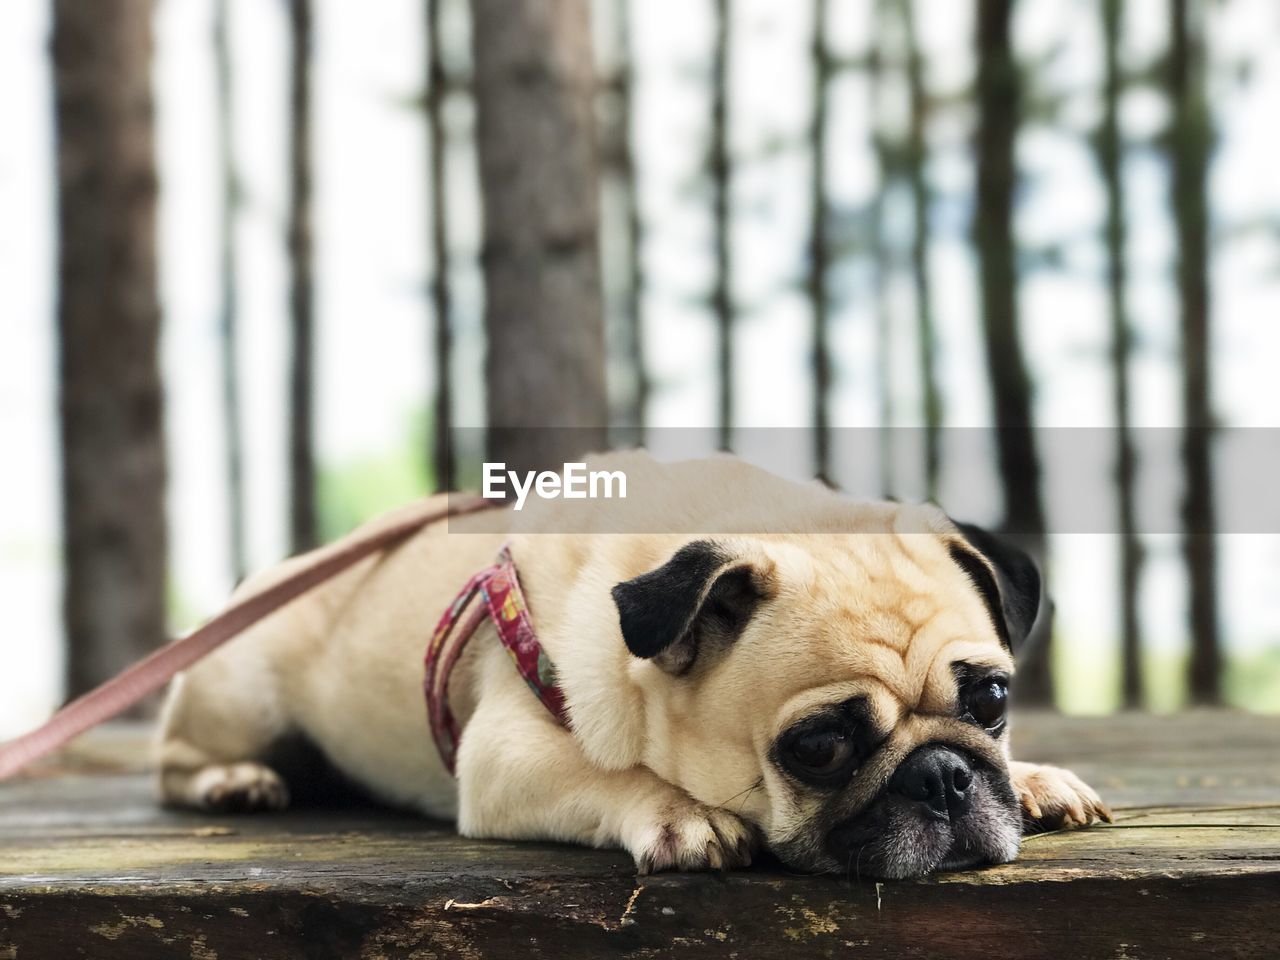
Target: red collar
[{"x": 505, "y": 605}]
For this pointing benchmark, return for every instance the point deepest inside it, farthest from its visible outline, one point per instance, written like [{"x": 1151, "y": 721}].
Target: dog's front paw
[
  {"x": 1053, "y": 798},
  {"x": 688, "y": 835},
  {"x": 239, "y": 788}
]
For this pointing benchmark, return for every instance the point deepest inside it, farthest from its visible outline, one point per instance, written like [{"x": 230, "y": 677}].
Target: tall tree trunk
[
  {"x": 1110, "y": 147},
  {"x": 229, "y": 293},
  {"x": 441, "y": 290},
  {"x": 819, "y": 245},
  {"x": 535, "y": 87},
  {"x": 721, "y": 188},
  {"x": 110, "y": 394},
  {"x": 880, "y": 259},
  {"x": 917, "y": 158},
  {"x": 634, "y": 301},
  {"x": 302, "y": 459},
  {"x": 1190, "y": 147},
  {"x": 998, "y": 108}
]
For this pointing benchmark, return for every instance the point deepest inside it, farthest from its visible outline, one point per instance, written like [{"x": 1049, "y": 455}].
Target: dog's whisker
[
  {"x": 747, "y": 791},
  {"x": 725, "y": 803}
]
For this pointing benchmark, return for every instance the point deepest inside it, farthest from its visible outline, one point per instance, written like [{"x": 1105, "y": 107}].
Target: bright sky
[{"x": 373, "y": 362}]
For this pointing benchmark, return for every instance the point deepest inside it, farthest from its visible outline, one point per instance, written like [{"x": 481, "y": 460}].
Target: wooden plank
[{"x": 1192, "y": 867}]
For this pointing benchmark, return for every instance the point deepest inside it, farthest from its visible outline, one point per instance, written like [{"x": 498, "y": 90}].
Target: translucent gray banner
[{"x": 1077, "y": 484}]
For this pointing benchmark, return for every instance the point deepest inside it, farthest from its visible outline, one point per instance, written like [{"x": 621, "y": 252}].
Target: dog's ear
[
  {"x": 1008, "y": 581},
  {"x": 698, "y": 600}
]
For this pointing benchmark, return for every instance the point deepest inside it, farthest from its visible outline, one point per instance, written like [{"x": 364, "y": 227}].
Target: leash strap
[
  {"x": 154, "y": 671},
  {"x": 502, "y": 601}
]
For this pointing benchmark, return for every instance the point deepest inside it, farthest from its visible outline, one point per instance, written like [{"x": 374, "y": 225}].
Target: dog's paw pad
[
  {"x": 240, "y": 788},
  {"x": 695, "y": 836},
  {"x": 1053, "y": 798}
]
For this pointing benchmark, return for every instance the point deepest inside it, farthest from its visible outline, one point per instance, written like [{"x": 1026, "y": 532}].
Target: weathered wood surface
[{"x": 90, "y": 867}]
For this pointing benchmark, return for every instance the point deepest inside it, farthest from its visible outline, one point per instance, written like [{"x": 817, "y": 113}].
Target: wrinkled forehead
[{"x": 888, "y": 615}]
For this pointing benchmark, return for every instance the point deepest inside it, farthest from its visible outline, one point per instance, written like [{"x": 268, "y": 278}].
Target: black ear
[
  {"x": 701, "y": 597},
  {"x": 1012, "y": 595}
]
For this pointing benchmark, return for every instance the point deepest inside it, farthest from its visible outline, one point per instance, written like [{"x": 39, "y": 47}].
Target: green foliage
[
  {"x": 1091, "y": 685},
  {"x": 355, "y": 490},
  {"x": 1253, "y": 683},
  {"x": 1164, "y": 681},
  {"x": 180, "y": 612}
]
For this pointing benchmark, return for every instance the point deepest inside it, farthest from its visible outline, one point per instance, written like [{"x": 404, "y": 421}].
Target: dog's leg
[
  {"x": 521, "y": 776},
  {"x": 220, "y": 719},
  {"x": 1053, "y": 798}
]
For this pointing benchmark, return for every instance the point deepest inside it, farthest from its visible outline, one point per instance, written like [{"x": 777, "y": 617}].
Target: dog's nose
[{"x": 936, "y": 777}]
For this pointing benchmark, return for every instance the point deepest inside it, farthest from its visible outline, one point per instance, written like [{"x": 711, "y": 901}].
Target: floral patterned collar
[{"x": 502, "y": 602}]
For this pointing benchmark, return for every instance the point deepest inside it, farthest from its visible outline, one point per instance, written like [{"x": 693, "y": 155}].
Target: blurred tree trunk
[
  {"x": 626, "y": 149},
  {"x": 1110, "y": 148},
  {"x": 916, "y": 159},
  {"x": 229, "y": 292},
  {"x": 110, "y": 394},
  {"x": 442, "y": 457},
  {"x": 1190, "y": 144},
  {"x": 629, "y": 395},
  {"x": 302, "y": 459},
  {"x": 880, "y": 258},
  {"x": 535, "y": 86},
  {"x": 998, "y": 108},
  {"x": 819, "y": 244},
  {"x": 721, "y": 188}
]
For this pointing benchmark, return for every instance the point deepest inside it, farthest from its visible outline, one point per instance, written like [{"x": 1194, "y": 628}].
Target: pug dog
[{"x": 745, "y": 661}]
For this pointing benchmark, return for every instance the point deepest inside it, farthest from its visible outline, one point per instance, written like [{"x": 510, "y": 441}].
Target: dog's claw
[
  {"x": 694, "y": 836},
  {"x": 1053, "y": 798}
]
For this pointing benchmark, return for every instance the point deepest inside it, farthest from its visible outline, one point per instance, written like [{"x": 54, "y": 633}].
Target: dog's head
[{"x": 847, "y": 692}]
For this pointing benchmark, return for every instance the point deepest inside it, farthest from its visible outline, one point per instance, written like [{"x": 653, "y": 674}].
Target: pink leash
[{"x": 154, "y": 671}]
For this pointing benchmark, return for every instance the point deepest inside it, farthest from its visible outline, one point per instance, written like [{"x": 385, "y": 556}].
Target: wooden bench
[{"x": 90, "y": 867}]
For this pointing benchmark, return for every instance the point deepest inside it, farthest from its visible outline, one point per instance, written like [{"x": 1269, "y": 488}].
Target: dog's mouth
[
  {"x": 940, "y": 811},
  {"x": 893, "y": 843}
]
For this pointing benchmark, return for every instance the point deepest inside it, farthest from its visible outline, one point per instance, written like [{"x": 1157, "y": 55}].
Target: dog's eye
[
  {"x": 819, "y": 753},
  {"x": 987, "y": 700}
]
